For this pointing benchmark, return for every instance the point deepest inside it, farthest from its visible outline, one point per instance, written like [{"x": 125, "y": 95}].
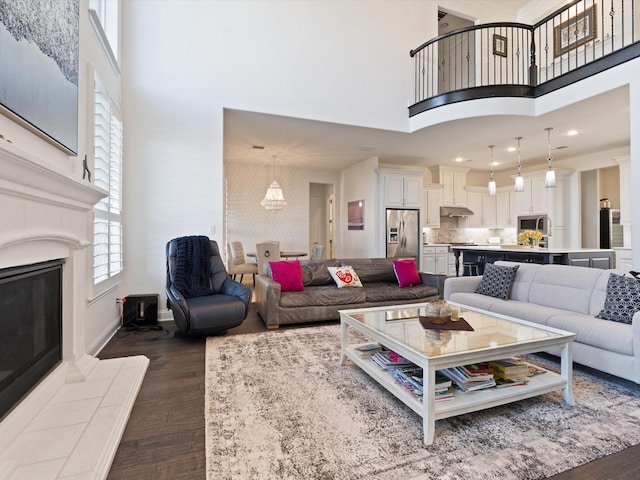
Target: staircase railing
[{"x": 514, "y": 59}]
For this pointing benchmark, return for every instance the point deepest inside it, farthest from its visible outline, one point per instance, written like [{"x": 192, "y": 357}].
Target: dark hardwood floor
[{"x": 164, "y": 438}]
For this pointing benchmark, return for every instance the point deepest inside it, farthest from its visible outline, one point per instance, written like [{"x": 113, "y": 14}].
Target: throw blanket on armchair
[{"x": 192, "y": 266}]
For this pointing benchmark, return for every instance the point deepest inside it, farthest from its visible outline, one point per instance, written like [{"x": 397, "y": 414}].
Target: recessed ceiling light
[
  {"x": 444, "y": 25},
  {"x": 571, "y": 133},
  {"x": 495, "y": 164},
  {"x": 511, "y": 149},
  {"x": 459, "y": 159}
]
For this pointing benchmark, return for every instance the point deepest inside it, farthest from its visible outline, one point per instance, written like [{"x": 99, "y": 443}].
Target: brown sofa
[{"x": 321, "y": 299}]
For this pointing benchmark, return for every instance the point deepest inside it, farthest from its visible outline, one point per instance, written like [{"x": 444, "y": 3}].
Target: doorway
[
  {"x": 456, "y": 54},
  {"x": 595, "y": 186},
  {"x": 321, "y": 216}
]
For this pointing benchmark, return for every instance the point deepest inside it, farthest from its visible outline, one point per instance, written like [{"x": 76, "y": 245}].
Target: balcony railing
[{"x": 514, "y": 59}]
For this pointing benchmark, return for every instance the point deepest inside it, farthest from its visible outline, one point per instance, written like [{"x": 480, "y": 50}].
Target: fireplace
[
  {"x": 59, "y": 405},
  {"x": 30, "y": 328}
]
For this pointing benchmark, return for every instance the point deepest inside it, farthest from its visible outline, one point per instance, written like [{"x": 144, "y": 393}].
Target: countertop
[{"x": 523, "y": 249}]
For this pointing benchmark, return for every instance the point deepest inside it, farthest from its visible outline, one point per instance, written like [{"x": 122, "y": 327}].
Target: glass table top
[{"x": 403, "y": 326}]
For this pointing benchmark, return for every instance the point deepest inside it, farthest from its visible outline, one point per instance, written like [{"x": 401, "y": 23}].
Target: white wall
[
  {"x": 185, "y": 61},
  {"x": 100, "y": 315},
  {"x": 250, "y": 223},
  {"x": 359, "y": 182}
]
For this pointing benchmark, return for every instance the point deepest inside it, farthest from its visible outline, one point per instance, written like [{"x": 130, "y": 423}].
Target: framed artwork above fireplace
[{"x": 39, "y": 68}]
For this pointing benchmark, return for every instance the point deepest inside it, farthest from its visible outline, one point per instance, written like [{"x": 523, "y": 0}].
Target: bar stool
[{"x": 470, "y": 269}]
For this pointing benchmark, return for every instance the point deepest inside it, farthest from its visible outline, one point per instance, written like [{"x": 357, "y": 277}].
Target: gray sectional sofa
[
  {"x": 321, "y": 299},
  {"x": 568, "y": 298}
]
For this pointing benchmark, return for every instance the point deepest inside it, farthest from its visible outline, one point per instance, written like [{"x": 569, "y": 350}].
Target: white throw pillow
[{"x": 345, "y": 276}]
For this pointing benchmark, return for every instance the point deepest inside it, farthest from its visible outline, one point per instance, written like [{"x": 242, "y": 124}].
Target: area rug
[{"x": 280, "y": 406}]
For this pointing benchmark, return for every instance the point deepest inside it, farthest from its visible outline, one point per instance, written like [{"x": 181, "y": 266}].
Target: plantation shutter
[{"x": 107, "y": 235}]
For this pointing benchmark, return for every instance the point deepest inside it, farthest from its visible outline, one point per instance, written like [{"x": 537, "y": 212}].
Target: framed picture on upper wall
[
  {"x": 39, "y": 68},
  {"x": 355, "y": 215},
  {"x": 499, "y": 45},
  {"x": 574, "y": 32}
]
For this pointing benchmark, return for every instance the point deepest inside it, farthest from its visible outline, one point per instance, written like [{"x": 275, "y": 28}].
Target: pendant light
[
  {"x": 550, "y": 179},
  {"x": 492, "y": 182},
  {"x": 274, "y": 199},
  {"x": 519, "y": 187}
]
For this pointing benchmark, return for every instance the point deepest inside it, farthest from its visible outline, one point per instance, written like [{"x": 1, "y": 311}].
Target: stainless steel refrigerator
[{"x": 403, "y": 233}]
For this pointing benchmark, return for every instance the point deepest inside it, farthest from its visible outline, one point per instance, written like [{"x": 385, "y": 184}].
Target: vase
[{"x": 533, "y": 243}]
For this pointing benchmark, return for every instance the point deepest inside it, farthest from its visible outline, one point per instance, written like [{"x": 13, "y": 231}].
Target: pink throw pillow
[
  {"x": 406, "y": 273},
  {"x": 288, "y": 274}
]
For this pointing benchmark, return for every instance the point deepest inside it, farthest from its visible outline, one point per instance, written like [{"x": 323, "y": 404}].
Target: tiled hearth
[
  {"x": 76, "y": 434},
  {"x": 70, "y": 425}
]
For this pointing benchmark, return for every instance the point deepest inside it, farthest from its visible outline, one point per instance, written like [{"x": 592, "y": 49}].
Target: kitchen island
[{"x": 480, "y": 255}]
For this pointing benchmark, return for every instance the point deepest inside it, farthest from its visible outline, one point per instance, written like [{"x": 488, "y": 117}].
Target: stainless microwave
[{"x": 540, "y": 223}]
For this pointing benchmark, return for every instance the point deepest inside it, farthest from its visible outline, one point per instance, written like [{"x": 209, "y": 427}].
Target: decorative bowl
[
  {"x": 438, "y": 337},
  {"x": 438, "y": 312}
]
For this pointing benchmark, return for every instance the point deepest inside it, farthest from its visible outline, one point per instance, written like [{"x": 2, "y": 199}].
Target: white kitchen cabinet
[
  {"x": 432, "y": 198},
  {"x": 624, "y": 260},
  {"x": 505, "y": 209},
  {"x": 454, "y": 180},
  {"x": 483, "y": 207},
  {"x": 402, "y": 189},
  {"x": 474, "y": 201},
  {"x": 533, "y": 200},
  {"x": 489, "y": 213},
  {"x": 435, "y": 259}
]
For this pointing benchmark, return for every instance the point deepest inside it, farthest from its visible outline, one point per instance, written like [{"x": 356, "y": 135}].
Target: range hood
[{"x": 455, "y": 212}]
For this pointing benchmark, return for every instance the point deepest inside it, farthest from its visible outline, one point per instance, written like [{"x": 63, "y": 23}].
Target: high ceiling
[{"x": 602, "y": 123}]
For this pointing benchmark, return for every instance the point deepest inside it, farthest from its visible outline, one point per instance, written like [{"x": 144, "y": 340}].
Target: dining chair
[
  {"x": 267, "y": 252},
  {"x": 317, "y": 252},
  {"x": 237, "y": 264}
]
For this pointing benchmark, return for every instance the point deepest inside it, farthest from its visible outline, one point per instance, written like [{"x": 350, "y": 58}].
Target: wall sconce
[{"x": 519, "y": 186}]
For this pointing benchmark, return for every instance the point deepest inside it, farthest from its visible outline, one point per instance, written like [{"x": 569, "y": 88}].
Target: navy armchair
[{"x": 203, "y": 297}]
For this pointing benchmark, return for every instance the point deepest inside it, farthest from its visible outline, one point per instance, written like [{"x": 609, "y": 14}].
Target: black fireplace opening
[{"x": 30, "y": 328}]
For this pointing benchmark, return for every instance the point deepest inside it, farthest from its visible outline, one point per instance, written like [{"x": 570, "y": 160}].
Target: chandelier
[{"x": 274, "y": 199}]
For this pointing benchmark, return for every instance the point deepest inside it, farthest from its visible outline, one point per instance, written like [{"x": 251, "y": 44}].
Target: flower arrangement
[{"x": 528, "y": 236}]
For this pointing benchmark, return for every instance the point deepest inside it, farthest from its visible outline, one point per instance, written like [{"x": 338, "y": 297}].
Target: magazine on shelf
[
  {"x": 386, "y": 359},
  {"x": 410, "y": 378},
  {"x": 533, "y": 370},
  {"x": 509, "y": 368},
  {"x": 466, "y": 382},
  {"x": 501, "y": 382}
]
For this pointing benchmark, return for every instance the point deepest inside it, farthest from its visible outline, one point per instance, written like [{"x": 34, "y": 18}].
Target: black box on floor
[{"x": 140, "y": 310}]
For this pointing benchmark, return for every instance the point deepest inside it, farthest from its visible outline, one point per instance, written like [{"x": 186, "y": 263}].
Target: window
[
  {"x": 107, "y": 226},
  {"x": 104, "y": 16}
]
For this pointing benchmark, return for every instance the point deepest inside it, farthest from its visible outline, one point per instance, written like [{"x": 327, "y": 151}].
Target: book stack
[
  {"x": 386, "y": 359},
  {"x": 410, "y": 377},
  {"x": 509, "y": 372},
  {"x": 368, "y": 349},
  {"x": 470, "y": 378}
]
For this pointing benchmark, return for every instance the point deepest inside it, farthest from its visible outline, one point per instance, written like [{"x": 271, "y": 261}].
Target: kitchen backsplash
[{"x": 449, "y": 232}]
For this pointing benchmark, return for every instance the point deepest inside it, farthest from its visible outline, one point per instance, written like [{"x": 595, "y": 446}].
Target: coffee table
[{"x": 494, "y": 337}]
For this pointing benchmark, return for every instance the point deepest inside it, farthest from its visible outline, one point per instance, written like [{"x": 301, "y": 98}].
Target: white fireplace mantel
[
  {"x": 70, "y": 424},
  {"x": 26, "y": 176}
]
